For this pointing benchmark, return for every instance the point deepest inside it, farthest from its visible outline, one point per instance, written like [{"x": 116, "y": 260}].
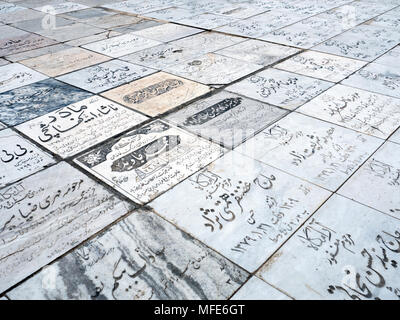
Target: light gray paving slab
[
  {"x": 63, "y": 7},
  {"x": 86, "y": 14},
  {"x": 167, "y": 32},
  {"x": 3, "y": 62},
  {"x": 240, "y": 11},
  {"x": 71, "y": 32},
  {"x": 390, "y": 58},
  {"x": 40, "y": 25},
  {"x": 6, "y": 8},
  {"x": 387, "y": 20},
  {"x": 243, "y": 214},
  {"x": 137, "y": 8},
  {"x": 113, "y": 21},
  {"x": 20, "y": 15},
  {"x": 170, "y": 14},
  {"x": 47, "y": 214},
  {"x": 2, "y": 126},
  {"x": 280, "y": 88},
  {"x": 207, "y": 21},
  {"x": 26, "y": 42},
  {"x": 317, "y": 151},
  {"x": 345, "y": 251},
  {"x": 93, "y": 38},
  {"x": 15, "y": 75},
  {"x": 257, "y": 289},
  {"x": 37, "y": 52},
  {"x": 395, "y": 137},
  {"x": 143, "y": 257}
]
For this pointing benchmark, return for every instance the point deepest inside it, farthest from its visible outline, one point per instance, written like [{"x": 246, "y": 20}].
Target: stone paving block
[
  {"x": 3, "y": 62},
  {"x": 207, "y": 21},
  {"x": 36, "y": 99},
  {"x": 6, "y": 8},
  {"x": 71, "y": 32},
  {"x": 171, "y": 14},
  {"x": 390, "y": 58},
  {"x": 72, "y": 129},
  {"x": 345, "y": 251},
  {"x": 280, "y": 88},
  {"x": 136, "y": 8},
  {"x": 167, "y": 32},
  {"x": 377, "y": 183},
  {"x": 386, "y": 20},
  {"x": 317, "y": 151},
  {"x": 143, "y": 257},
  {"x": 240, "y": 11},
  {"x": 94, "y": 38},
  {"x": 257, "y": 289},
  {"x": 20, "y": 15},
  {"x": 157, "y": 93},
  {"x": 243, "y": 214},
  {"x": 37, "y": 52},
  {"x": 321, "y": 65},
  {"x": 43, "y": 25},
  {"x": 63, "y": 7},
  {"x": 2, "y": 126},
  {"x": 113, "y": 21},
  {"x": 106, "y": 76},
  {"x": 19, "y": 158},
  {"x": 226, "y": 118},
  {"x": 148, "y": 161},
  {"x": 395, "y": 137},
  {"x": 55, "y": 210}
]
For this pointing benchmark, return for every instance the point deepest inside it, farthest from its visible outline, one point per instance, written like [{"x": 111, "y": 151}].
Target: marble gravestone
[
  {"x": 280, "y": 88},
  {"x": 74, "y": 128},
  {"x": 345, "y": 251},
  {"x": 106, "y": 76},
  {"x": 143, "y": 257},
  {"x": 47, "y": 214},
  {"x": 19, "y": 157},
  {"x": 36, "y": 99},
  {"x": 207, "y": 21},
  {"x": 317, "y": 151},
  {"x": 390, "y": 58},
  {"x": 395, "y": 137},
  {"x": 244, "y": 214},
  {"x": 377, "y": 183},
  {"x": 63, "y": 7},
  {"x": 257, "y": 289},
  {"x": 226, "y": 118},
  {"x": 167, "y": 32},
  {"x": 15, "y": 75},
  {"x": 146, "y": 162},
  {"x": 157, "y": 93},
  {"x": 356, "y": 109}
]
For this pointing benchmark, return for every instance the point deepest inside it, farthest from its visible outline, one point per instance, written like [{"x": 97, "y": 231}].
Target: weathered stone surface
[
  {"x": 15, "y": 75},
  {"x": 167, "y": 32},
  {"x": 257, "y": 289}
]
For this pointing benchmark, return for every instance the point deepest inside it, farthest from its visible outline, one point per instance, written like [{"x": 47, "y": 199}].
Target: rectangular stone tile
[
  {"x": 37, "y": 52},
  {"x": 377, "y": 183},
  {"x": 48, "y": 24},
  {"x": 345, "y": 251},
  {"x": 20, "y": 15},
  {"x": 161, "y": 57},
  {"x": 171, "y": 14},
  {"x": 143, "y": 257},
  {"x": 167, "y": 32},
  {"x": 3, "y": 62},
  {"x": 280, "y": 88},
  {"x": 363, "y": 43},
  {"x": 9, "y": 7},
  {"x": 15, "y": 75},
  {"x": 258, "y": 52},
  {"x": 31, "y": 101},
  {"x": 113, "y": 21},
  {"x": 106, "y": 76},
  {"x": 137, "y": 8},
  {"x": 54, "y": 210},
  {"x": 2, "y": 126},
  {"x": 377, "y": 78},
  {"x": 38, "y": 3},
  {"x": 87, "y": 14},
  {"x": 395, "y": 137},
  {"x": 207, "y": 21},
  {"x": 140, "y": 25},
  {"x": 243, "y": 214},
  {"x": 213, "y": 68},
  {"x": 148, "y": 161},
  {"x": 121, "y": 45},
  {"x": 9, "y": 46},
  {"x": 63, "y": 7},
  {"x": 390, "y": 58},
  {"x": 240, "y": 11},
  {"x": 19, "y": 158},
  {"x": 157, "y": 93},
  {"x": 321, "y": 65},
  {"x": 256, "y": 289},
  {"x": 71, "y": 32},
  {"x": 387, "y": 20},
  {"x": 61, "y": 62},
  {"x": 94, "y": 38},
  {"x": 360, "y": 110},
  {"x": 226, "y": 118},
  {"x": 72, "y": 129},
  {"x": 317, "y": 151}
]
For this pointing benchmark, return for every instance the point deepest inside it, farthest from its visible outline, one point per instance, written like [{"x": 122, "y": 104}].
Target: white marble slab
[
  {"x": 280, "y": 88},
  {"x": 395, "y": 137},
  {"x": 317, "y": 151},
  {"x": 148, "y": 161},
  {"x": 207, "y": 21},
  {"x": 9, "y": 7},
  {"x": 106, "y": 76},
  {"x": 3, "y": 62},
  {"x": 19, "y": 157},
  {"x": 321, "y": 65},
  {"x": 37, "y": 52},
  {"x": 390, "y": 58},
  {"x": 47, "y": 214},
  {"x": 2, "y": 126},
  {"x": 74, "y": 128},
  {"x": 387, "y": 20},
  {"x": 63, "y": 7},
  {"x": 377, "y": 78},
  {"x": 345, "y": 251},
  {"x": 258, "y": 52},
  {"x": 15, "y": 75},
  {"x": 257, "y": 289},
  {"x": 170, "y": 14},
  {"x": 70, "y": 32},
  {"x": 121, "y": 45},
  {"x": 356, "y": 109},
  {"x": 20, "y": 15},
  {"x": 226, "y": 118},
  {"x": 243, "y": 214},
  {"x": 141, "y": 258},
  {"x": 167, "y": 32},
  {"x": 240, "y": 11},
  {"x": 213, "y": 68},
  {"x": 137, "y": 8},
  {"x": 377, "y": 183}
]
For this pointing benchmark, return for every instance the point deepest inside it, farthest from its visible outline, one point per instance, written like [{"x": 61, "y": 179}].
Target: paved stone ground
[{"x": 175, "y": 149}]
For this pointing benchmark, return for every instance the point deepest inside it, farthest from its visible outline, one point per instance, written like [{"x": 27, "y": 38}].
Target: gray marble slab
[
  {"x": 390, "y": 58},
  {"x": 47, "y": 214},
  {"x": 243, "y": 214},
  {"x": 86, "y": 14},
  {"x": 213, "y": 68},
  {"x": 9, "y": 7},
  {"x": 257, "y": 289},
  {"x": 15, "y": 75},
  {"x": 138, "y": 7},
  {"x": 106, "y": 76},
  {"x": 20, "y": 15},
  {"x": 7, "y": 32},
  {"x": 63, "y": 7},
  {"x": 377, "y": 183},
  {"x": 72, "y": 129},
  {"x": 207, "y": 21},
  {"x": 387, "y": 20},
  {"x": 165, "y": 155},
  {"x": 317, "y": 151},
  {"x": 3, "y": 62},
  {"x": 280, "y": 88},
  {"x": 37, "y": 52},
  {"x": 31, "y": 101},
  {"x": 171, "y": 14},
  {"x": 93, "y": 38},
  {"x": 113, "y": 21},
  {"x": 44, "y": 24},
  {"x": 2, "y": 126},
  {"x": 226, "y": 118},
  {"x": 19, "y": 157},
  {"x": 240, "y": 10},
  {"x": 140, "y": 25},
  {"x": 345, "y": 251},
  {"x": 143, "y": 257},
  {"x": 377, "y": 78},
  {"x": 71, "y": 32},
  {"x": 167, "y": 32}
]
